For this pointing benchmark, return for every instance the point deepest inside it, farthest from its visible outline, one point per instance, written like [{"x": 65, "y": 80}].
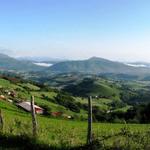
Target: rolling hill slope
[
  {"x": 97, "y": 65},
  {"x": 44, "y": 98},
  {"x": 9, "y": 63},
  {"x": 94, "y": 87}
]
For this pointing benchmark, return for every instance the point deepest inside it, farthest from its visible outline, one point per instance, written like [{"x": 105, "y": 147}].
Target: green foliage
[
  {"x": 93, "y": 87},
  {"x": 67, "y": 101}
]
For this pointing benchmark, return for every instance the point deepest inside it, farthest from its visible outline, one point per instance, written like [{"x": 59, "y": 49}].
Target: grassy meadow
[
  {"x": 58, "y": 132},
  {"x": 62, "y": 133}
]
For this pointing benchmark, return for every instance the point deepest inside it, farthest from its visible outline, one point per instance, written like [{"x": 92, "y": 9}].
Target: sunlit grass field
[{"x": 56, "y": 131}]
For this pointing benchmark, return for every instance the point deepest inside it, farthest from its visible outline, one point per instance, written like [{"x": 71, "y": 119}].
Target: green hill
[
  {"x": 60, "y": 133},
  {"x": 54, "y": 100},
  {"x": 9, "y": 63},
  {"x": 44, "y": 96},
  {"x": 93, "y": 87},
  {"x": 72, "y": 99},
  {"x": 96, "y": 65},
  {"x": 57, "y": 134}
]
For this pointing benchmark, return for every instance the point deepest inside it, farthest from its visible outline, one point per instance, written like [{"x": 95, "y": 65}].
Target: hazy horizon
[
  {"x": 115, "y": 30},
  {"x": 46, "y": 58}
]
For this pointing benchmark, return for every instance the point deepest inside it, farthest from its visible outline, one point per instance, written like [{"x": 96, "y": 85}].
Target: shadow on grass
[{"x": 23, "y": 142}]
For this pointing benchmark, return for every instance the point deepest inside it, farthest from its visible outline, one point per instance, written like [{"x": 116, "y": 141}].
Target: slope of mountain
[
  {"x": 94, "y": 87},
  {"x": 9, "y": 63},
  {"x": 44, "y": 97},
  {"x": 97, "y": 65}
]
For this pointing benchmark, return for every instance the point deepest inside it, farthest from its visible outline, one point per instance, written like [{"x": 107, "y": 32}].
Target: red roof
[{"x": 56, "y": 113}]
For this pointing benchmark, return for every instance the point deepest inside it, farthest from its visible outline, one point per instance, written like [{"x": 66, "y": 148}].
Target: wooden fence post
[
  {"x": 34, "y": 121},
  {"x": 89, "y": 135},
  {"x": 1, "y": 121}
]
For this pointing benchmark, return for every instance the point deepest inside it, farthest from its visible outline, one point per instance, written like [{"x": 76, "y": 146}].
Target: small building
[
  {"x": 56, "y": 114},
  {"x": 27, "y": 107}
]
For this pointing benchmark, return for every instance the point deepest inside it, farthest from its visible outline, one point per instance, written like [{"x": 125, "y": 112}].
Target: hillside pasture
[{"x": 59, "y": 132}]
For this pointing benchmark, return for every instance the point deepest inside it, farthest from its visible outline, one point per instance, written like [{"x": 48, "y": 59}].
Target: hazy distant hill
[
  {"x": 97, "y": 65},
  {"x": 93, "y": 65},
  {"x": 9, "y": 63}
]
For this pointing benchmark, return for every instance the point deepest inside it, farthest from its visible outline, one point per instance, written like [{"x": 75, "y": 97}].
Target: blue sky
[{"x": 114, "y": 29}]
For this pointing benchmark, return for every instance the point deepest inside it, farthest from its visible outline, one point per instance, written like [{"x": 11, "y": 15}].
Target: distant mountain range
[
  {"x": 97, "y": 65},
  {"x": 94, "y": 65},
  {"x": 9, "y": 63}
]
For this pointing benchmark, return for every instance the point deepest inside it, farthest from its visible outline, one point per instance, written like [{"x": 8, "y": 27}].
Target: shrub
[{"x": 67, "y": 101}]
